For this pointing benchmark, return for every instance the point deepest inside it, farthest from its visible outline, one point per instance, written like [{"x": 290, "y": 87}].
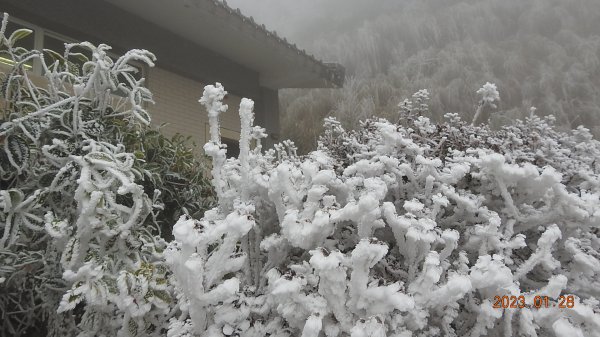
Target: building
[{"x": 197, "y": 42}]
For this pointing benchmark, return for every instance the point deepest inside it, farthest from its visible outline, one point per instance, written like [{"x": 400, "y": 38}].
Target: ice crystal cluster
[{"x": 396, "y": 229}]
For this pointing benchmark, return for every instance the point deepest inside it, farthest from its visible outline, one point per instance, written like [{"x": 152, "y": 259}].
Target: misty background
[{"x": 540, "y": 53}]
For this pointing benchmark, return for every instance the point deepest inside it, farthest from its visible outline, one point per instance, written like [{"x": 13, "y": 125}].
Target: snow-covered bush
[
  {"x": 408, "y": 229},
  {"x": 489, "y": 96},
  {"x": 83, "y": 185}
]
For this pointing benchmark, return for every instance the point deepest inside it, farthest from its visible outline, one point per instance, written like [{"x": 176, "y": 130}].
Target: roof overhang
[{"x": 214, "y": 25}]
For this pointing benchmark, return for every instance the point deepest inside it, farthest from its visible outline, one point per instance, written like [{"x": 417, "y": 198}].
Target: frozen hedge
[{"x": 396, "y": 229}]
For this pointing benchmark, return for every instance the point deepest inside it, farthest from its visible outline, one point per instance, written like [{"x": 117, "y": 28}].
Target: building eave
[{"x": 214, "y": 24}]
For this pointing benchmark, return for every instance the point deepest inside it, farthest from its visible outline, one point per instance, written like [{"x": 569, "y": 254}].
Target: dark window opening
[{"x": 233, "y": 147}]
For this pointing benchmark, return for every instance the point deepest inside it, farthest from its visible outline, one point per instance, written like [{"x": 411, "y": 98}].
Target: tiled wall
[{"x": 177, "y": 104}]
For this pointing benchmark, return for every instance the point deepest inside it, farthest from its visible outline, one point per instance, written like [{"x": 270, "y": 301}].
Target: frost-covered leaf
[
  {"x": 32, "y": 222},
  {"x": 47, "y": 178},
  {"x": 162, "y": 295},
  {"x": 17, "y": 152},
  {"x": 58, "y": 229},
  {"x": 54, "y": 55},
  {"x": 5, "y": 167},
  {"x": 100, "y": 156},
  {"x": 31, "y": 129},
  {"x": 69, "y": 300},
  {"x": 18, "y": 35},
  {"x": 64, "y": 177},
  {"x": 6, "y": 128},
  {"x": 70, "y": 253},
  {"x": 142, "y": 115}
]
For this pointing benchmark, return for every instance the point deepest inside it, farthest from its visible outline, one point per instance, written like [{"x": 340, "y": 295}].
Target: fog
[
  {"x": 540, "y": 53},
  {"x": 303, "y": 21}
]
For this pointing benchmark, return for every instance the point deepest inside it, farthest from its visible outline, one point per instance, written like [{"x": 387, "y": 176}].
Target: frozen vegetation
[
  {"x": 395, "y": 229},
  {"x": 542, "y": 53},
  {"x": 399, "y": 228}
]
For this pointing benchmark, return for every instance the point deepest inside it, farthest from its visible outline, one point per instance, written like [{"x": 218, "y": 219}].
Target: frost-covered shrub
[
  {"x": 84, "y": 182},
  {"x": 172, "y": 166},
  {"x": 489, "y": 95},
  {"x": 407, "y": 229}
]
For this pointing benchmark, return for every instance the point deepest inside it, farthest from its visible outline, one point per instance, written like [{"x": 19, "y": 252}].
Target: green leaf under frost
[
  {"x": 18, "y": 35},
  {"x": 17, "y": 152}
]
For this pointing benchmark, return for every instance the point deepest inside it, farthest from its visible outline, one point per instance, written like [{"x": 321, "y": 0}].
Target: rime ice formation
[{"x": 406, "y": 229}]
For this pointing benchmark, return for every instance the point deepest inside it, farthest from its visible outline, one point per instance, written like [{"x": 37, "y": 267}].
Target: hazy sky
[{"x": 283, "y": 15}]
